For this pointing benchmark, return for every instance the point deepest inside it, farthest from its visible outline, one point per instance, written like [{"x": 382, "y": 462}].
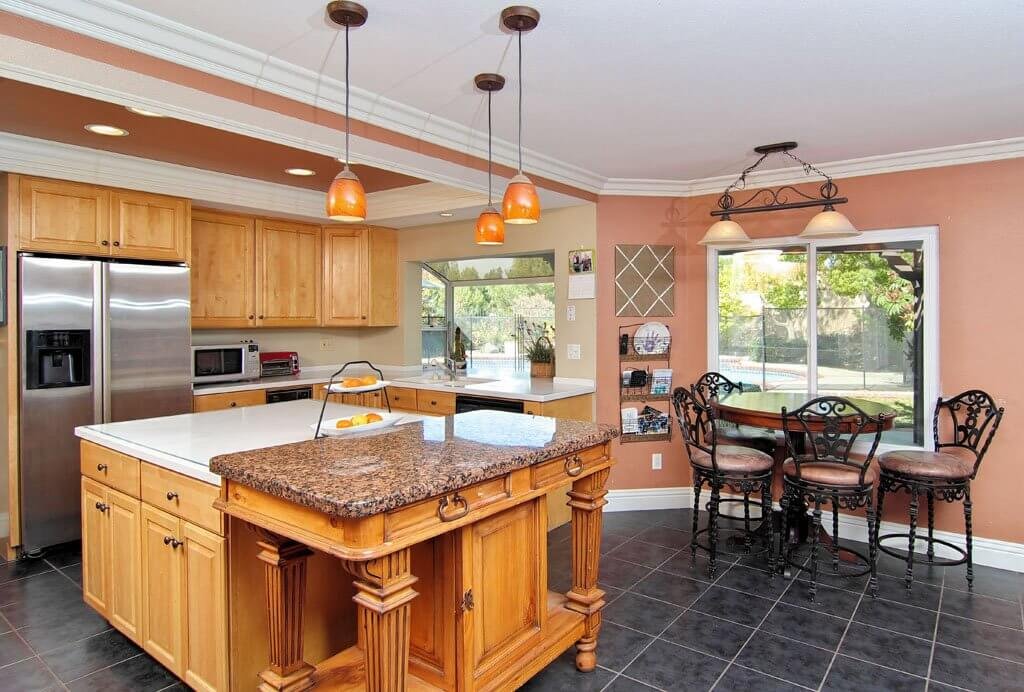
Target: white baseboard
[{"x": 987, "y": 551}]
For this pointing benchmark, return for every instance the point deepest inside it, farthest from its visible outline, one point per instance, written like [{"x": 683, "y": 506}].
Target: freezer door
[
  {"x": 59, "y": 326},
  {"x": 148, "y": 370}
]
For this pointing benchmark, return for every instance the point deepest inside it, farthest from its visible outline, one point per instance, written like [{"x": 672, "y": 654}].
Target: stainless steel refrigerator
[{"x": 100, "y": 342}]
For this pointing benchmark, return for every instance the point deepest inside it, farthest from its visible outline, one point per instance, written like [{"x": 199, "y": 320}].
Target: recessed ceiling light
[
  {"x": 106, "y": 130},
  {"x": 299, "y": 171},
  {"x": 447, "y": 214},
  {"x": 143, "y": 111}
]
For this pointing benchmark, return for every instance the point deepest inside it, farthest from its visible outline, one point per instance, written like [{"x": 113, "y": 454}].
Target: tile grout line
[
  {"x": 35, "y": 655},
  {"x": 846, "y": 629},
  {"x": 130, "y": 658},
  {"x": 935, "y": 635}
]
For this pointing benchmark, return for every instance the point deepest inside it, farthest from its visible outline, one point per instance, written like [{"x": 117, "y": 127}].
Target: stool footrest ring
[{"x": 922, "y": 558}]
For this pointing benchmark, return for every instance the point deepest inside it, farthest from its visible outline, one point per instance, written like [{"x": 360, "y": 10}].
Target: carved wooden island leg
[
  {"x": 586, "y": 500},
  {"x": 285, "y": 575},
  {"x": 384, "y": 593}
]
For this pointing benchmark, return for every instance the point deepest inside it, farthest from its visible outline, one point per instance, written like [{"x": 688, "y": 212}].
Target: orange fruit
[
  {"x": 369, "y": 379},
  {"x": 343, "y": 423},
  {"x": 374, "y": 418},
  {"x": 352, "y": 382},
  {"x": 360, "y": 419}
]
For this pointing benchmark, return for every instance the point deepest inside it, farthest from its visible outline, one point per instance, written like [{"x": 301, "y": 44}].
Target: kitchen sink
[{"x": 460, "y": 382}]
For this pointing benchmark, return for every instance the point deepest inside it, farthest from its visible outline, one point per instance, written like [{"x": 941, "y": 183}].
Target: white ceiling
[{"x": 667, "y": 89}]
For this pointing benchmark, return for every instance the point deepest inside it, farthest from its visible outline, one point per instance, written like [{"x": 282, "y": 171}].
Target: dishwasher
[
  {"x": 464, "y": 403},
  {"x": 291, "y": 394}
]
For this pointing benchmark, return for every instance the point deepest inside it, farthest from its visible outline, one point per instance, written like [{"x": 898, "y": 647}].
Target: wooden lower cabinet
[
  {"x": 95, "y": 545},
  {"x": 220, "y": 402},
  {"x": 205, "y": 584},
  {"x": 163, "y": 590}
]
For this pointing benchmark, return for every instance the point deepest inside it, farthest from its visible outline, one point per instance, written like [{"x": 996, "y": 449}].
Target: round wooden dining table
[{"x": 764, "y": 409}]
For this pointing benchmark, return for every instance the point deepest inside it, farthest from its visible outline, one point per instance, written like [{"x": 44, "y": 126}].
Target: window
[
  {"x": 853, "y": 317},
  {"x": 494, "y": 301}
]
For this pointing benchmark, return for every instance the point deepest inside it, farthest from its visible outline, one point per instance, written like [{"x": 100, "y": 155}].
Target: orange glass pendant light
[
  {"x": 490, "y": 227},
  {"x": 346, "y": 199},
  {"x": 521, "y": 204}
]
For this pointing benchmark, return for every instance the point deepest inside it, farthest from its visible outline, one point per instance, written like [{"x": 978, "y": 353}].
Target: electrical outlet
[
  {"x": 326, "y": 345},
  {"x": 570, "y": 313},
  {"x": 573, "y": 352},
  {"x": 656, "y": 461}
]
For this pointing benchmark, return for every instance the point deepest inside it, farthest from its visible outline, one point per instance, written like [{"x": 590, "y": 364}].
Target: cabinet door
[
  {"x": 206, "y": 659},
  {"x": 95, "y": 545},
  {"x": 345, "y": 277},
  {"x": 58, "y": 216},
  {"x": 502, "y": 562},
  {"x": 287, "y": 274},
  {"x": 163, "y": 592},
  {"x": 382, "y": 283},
  {"x": 220, "y": 402},
  {"x": 223, "y": 271},
  {"x": 145, "y": 226},
  {"x": 124, "y": 578}
]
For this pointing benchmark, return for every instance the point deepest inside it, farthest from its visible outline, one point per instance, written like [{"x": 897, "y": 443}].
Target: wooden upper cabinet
[
  {"x": 146, "y": 226},
  {"x": 288, "y": 259},
  {"x": 360, "y": 277},
  {"x": 58, "y": 216},
  {"x": 223, "y": 270}
]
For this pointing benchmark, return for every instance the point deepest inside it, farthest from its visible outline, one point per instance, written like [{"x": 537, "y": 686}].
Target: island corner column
[{"x": 587, "y": 498}]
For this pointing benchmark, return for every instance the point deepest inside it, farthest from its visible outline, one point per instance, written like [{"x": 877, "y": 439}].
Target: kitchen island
[{"x": 442, "y": 525}]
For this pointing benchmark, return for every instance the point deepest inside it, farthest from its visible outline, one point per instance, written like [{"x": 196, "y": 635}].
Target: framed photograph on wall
[{"x": 581, "y": 261}]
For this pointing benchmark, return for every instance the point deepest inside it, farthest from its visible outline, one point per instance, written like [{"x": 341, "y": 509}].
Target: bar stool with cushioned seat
[
  {"x": 743, "y": 469},
  {"x": 826, "y": 474},
  {"x": 712, "y": 384},
  {"x": 945, "y": 473}
]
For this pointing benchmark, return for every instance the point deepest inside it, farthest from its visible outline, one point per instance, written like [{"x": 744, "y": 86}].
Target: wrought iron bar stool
[
  {"x": 946, "y": 473},
  {"x": 824, "y": 473},
  {"x": 743, "y": 469},
  {"x": 710, "y": 386}
]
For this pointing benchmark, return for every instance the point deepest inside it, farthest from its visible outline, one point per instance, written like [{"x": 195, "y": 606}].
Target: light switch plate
[
  {"x": 574, "y": 352},
  {"x": 570, "y": 313},
  {"x": 656, "y": 461}
]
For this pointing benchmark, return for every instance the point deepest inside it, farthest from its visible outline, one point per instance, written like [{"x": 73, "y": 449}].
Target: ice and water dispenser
[{"x": 57, "y": 358}]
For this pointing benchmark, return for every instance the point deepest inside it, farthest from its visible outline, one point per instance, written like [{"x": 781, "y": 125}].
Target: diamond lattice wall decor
[{"x": 645, "y": 280}]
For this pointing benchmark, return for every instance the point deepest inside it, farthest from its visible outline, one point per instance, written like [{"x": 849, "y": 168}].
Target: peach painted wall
[{"x": 981, "y": 274}]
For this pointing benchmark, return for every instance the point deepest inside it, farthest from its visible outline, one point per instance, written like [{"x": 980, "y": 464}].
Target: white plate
[
  {"x": 338, "y": 389},
  {"x": 327, "y": 427},
  {"x": 651, "y": 338}
]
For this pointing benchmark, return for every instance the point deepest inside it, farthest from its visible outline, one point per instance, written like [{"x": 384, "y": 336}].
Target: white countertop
[
  {"x": 186, "y": 443},
  {"x": 525, "y": 389}
]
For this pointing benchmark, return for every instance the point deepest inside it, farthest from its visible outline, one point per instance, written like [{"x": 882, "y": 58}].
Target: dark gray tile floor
[{"x": 667, "y": 626}]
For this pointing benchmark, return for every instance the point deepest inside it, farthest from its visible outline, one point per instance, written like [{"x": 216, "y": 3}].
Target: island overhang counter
[{"x": 442, "y": 525}]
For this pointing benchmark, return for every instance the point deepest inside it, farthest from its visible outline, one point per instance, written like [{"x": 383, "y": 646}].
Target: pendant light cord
[
  {"x": 520, "y": 34},
  {"x": 489, "y": 149},
  {"x": 348, "y": 124}
]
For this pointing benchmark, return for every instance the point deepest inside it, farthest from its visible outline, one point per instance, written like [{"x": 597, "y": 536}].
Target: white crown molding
[
  {"x": 957, "y": 154},
  {"x": 31, "y": 156},
  {"x": 987, "y": 551},
  {"x": 151, "y": 34}
]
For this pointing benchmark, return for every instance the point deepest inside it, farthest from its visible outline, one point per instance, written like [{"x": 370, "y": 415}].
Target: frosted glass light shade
[
  {"x": 346, "y": 199},
  {"x": 724, "y": 232},
  {"x": 829, "y": 224},
  {"x": 490, "y": 228},
  {"x": 521, "y": 203}
]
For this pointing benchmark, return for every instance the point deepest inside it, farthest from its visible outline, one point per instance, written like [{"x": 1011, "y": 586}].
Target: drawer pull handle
[
  {"x": 457, "y": 501},
  {"x": 101, "y": 506},
  {"x": 171, "y": 496},
  {"x": 117, "y": 243},
  {"x": 104, "y": 243},
  {"x": 171, "y": 541},
  {"x": 233, "y": 404},
  {"x": 102, "y": 468},
  {"x": 573, "y": 465}
]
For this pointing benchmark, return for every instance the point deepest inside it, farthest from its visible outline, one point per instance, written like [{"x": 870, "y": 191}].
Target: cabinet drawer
[
  {"x": 441, "y": 403},
  {"x": 218, "y": 402},
  {"x": 562, "y": 469},
  {"x": 402, "y": 398},
  {"x": 182, "y": 496},
  {"x": 438, "y": 510},
  {"x": 119, "y": 471}
]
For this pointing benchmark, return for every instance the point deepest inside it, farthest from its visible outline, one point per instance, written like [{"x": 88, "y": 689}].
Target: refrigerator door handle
[
  {"x": 99, "y": 343},
  {"x": 102, "y": 314}
]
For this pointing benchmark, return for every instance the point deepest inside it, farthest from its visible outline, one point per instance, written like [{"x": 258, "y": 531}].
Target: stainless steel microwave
[{"x": 225, "y": 363}]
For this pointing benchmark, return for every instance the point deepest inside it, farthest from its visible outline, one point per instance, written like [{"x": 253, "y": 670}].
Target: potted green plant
[
  {"x": 540, "y": 349},
  {"x": 458, "y": 352}
]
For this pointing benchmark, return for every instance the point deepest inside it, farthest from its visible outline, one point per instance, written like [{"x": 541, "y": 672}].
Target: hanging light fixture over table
[
  {"x": 827, "y": 223},
  {"x": 490, "y": 227},
  {"x": 346, "y": 199},
  {"x": 521, "y": 204}
]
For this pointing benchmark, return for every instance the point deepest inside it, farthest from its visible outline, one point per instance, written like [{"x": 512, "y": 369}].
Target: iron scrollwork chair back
[
  {"x": 697, "y": 424},
  {"x": 974, "y": 416},
  {"x": 832, "y": 424},
  {"x": 712, "y": 384}
]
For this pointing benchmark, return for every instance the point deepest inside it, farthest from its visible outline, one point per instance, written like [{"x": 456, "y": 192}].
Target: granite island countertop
[{"x": 359, "y": 477}]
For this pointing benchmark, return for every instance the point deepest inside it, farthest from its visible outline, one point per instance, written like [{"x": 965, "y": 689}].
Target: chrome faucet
[{"x": 443, "y": 366}]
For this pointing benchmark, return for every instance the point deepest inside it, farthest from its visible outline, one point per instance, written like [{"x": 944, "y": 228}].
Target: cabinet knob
[
  {"x": 171, "y": 541},
  {"x": 233, "y": 404},
  {"x": 104, "y": 243},
  {"x": 573, "y": 465},
  {"x": 260, "y": 317},
  {"x": 364, "y": 317},
  {"x": 171, "y": 496},
  {"x": 101, "y": 506},
  {"x": 117, "y": 243},
  {"x": 102, "y": 468},
  {"x": 252, "y": 317},
  {"x": 433, "y": 403}
]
